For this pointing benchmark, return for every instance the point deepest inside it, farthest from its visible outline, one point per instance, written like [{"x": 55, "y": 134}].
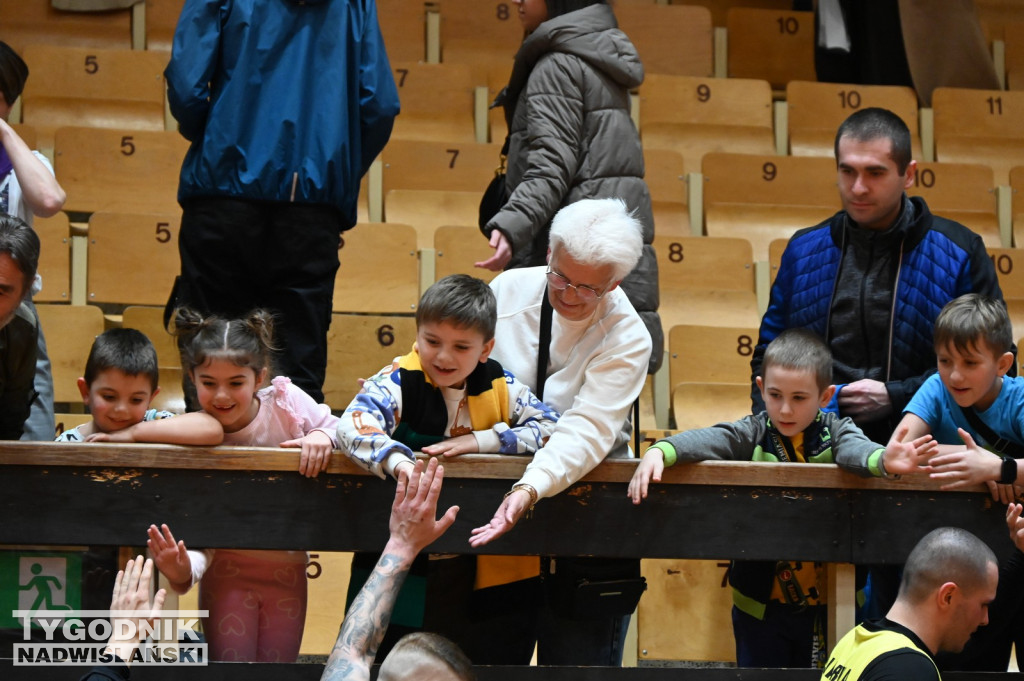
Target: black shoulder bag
[{"x": 494, "y": 196}]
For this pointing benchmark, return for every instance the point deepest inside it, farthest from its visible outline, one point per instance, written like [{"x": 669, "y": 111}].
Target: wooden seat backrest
[
  {"x": 379, "y": 270},
  {"x": 133, "y": 257}
]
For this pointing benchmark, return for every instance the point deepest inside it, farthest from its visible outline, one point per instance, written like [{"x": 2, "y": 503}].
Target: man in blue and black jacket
[{"x": 871, "y": 280}]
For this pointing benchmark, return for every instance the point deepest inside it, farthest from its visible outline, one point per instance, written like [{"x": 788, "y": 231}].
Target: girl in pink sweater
[{"x": 256, "y": 599}]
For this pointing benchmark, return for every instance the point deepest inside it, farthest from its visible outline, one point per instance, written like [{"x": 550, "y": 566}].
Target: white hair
[{"x": 598, "y": 232}]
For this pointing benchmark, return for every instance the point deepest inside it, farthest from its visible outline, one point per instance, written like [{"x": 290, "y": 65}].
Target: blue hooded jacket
[{"x": 282, "y": 100}]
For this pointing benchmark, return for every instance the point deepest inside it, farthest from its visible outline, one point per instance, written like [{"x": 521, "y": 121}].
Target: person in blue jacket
[{"x": 286, "y": 104}]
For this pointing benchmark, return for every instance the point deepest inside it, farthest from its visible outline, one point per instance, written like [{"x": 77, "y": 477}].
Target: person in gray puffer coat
[{"x": 571, "y": 137}]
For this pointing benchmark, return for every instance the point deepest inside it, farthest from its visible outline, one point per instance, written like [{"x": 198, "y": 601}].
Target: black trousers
[
  {"x": 500, "y": 625},
  {"x": 238, "y": 255}
]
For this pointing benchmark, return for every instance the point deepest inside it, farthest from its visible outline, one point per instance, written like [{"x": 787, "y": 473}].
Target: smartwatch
[{"x": 1008, "y": 472}]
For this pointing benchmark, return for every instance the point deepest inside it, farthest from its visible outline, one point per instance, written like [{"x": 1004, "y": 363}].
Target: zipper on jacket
[
  {"x": 892, "y": 310},
  {"x": 863, "y": 303}
]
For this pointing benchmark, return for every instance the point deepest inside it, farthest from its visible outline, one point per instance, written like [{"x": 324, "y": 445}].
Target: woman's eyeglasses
[{"x": 560, "y": 282}]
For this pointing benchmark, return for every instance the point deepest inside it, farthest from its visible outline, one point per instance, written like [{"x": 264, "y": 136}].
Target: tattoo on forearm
[{"x": 366, "y": 622}]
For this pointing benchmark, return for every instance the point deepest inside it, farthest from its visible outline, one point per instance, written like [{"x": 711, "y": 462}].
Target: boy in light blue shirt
[{"x": 972, "y": 408}]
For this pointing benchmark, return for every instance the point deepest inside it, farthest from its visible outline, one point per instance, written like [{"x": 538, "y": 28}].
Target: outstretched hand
[
  {"x": 453, "y": 446},
  {"x": 971, "y": 466},
  {"x": 171, "y": 557},
  {"x": 905, "y": 458},
  {"x": 414, "y": 524},
  {"x": 130, "y": 603},
  {"x": 502, "y": 253},
  {"x": 505, "y": 518},
  {"x": 1015, "y": 524}
]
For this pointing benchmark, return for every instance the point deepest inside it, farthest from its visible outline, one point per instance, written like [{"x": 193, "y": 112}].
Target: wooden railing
[{"x": 103, "y": 494}]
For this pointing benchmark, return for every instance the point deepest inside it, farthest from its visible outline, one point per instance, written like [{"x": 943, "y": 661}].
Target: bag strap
[
  {"x": 999, "y": 444},
  {"x": 544, "y": 350}
]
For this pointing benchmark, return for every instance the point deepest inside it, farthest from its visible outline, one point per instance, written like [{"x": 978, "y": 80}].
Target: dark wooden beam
[{"x": 101, "y": 494}]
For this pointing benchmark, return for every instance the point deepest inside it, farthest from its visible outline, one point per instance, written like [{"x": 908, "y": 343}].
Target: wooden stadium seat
[
  {"x": 437, "y": 102},
  {"x": 54, "y": 258},
  {"x": 694, "y": 116},
  {"x": 428, "y": 209},
  {"x": 358, "y": 346},
  {"x": 92, "y": 87},
  {"x": 772, "y": 45},
  {"x": 379, "y": 270},
  {"x": 36, "y": 21},
  {"x": 699, "y": 405},
  {"x": 489, "y": 66},
  {"x": 710, "y": 354},
  {"x": 979, "y": 126},
  {"x": 28, "y": 135},
  {"x": 720, "y": 8},
  {"x": 457, "y": 248},
  {"x": 1009, "y": 264},
  {"x": 761, "y": 198},
  {"x": 172, "y": 394},
  {"x": 707, "y": 281},
  {"x": 665, "y": 175},
  {"x": 161, "y": 20},
  {"x": 70, "y": 331},
  {"x": 1013, "y": 36},
  {"x": 1017, "y": 209},
  {"x": 685, "y": 591},
  {"x": 403, "y": 25},
  {"x": 962, "y": 192},
  {"x": 132, "y": 171},
  {"x": 675, "y": 40},
  {"x": 421, "y": 164},
  {"x": 1015, "y": 308},
  {"x": 775, "y": 250},
  {"x": 133, "y": 257},
  {"x": 815, "y": 111},
  {"x": 150, "y": 321},
  {"x": 484, "y": 22},
  {"x": 995, "y": 15}
]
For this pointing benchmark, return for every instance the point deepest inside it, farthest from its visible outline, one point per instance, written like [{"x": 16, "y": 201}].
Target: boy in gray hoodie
[{"x": 778, "y": 615}]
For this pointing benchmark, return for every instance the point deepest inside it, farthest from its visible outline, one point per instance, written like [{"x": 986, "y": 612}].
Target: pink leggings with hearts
[{"x": 257, "y": 604}]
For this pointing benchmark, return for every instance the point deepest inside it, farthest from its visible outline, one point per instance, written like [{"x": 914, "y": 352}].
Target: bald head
[
  {"x": 947, "y": 554},
  {"x": 426, "y": 657}
]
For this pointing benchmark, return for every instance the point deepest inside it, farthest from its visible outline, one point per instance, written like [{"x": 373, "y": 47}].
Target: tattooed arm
[{"x": 413, "y": 527}]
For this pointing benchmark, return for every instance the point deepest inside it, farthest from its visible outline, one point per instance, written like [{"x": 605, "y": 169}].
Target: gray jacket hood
[{"x": 592, "y": 34}]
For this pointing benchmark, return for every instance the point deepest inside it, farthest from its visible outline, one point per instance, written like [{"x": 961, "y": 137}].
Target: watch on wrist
[{"x": 1008, "y": 471}]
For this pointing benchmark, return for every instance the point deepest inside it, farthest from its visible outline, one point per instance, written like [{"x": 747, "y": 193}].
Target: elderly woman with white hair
[{"x": 588, "y": 360}]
